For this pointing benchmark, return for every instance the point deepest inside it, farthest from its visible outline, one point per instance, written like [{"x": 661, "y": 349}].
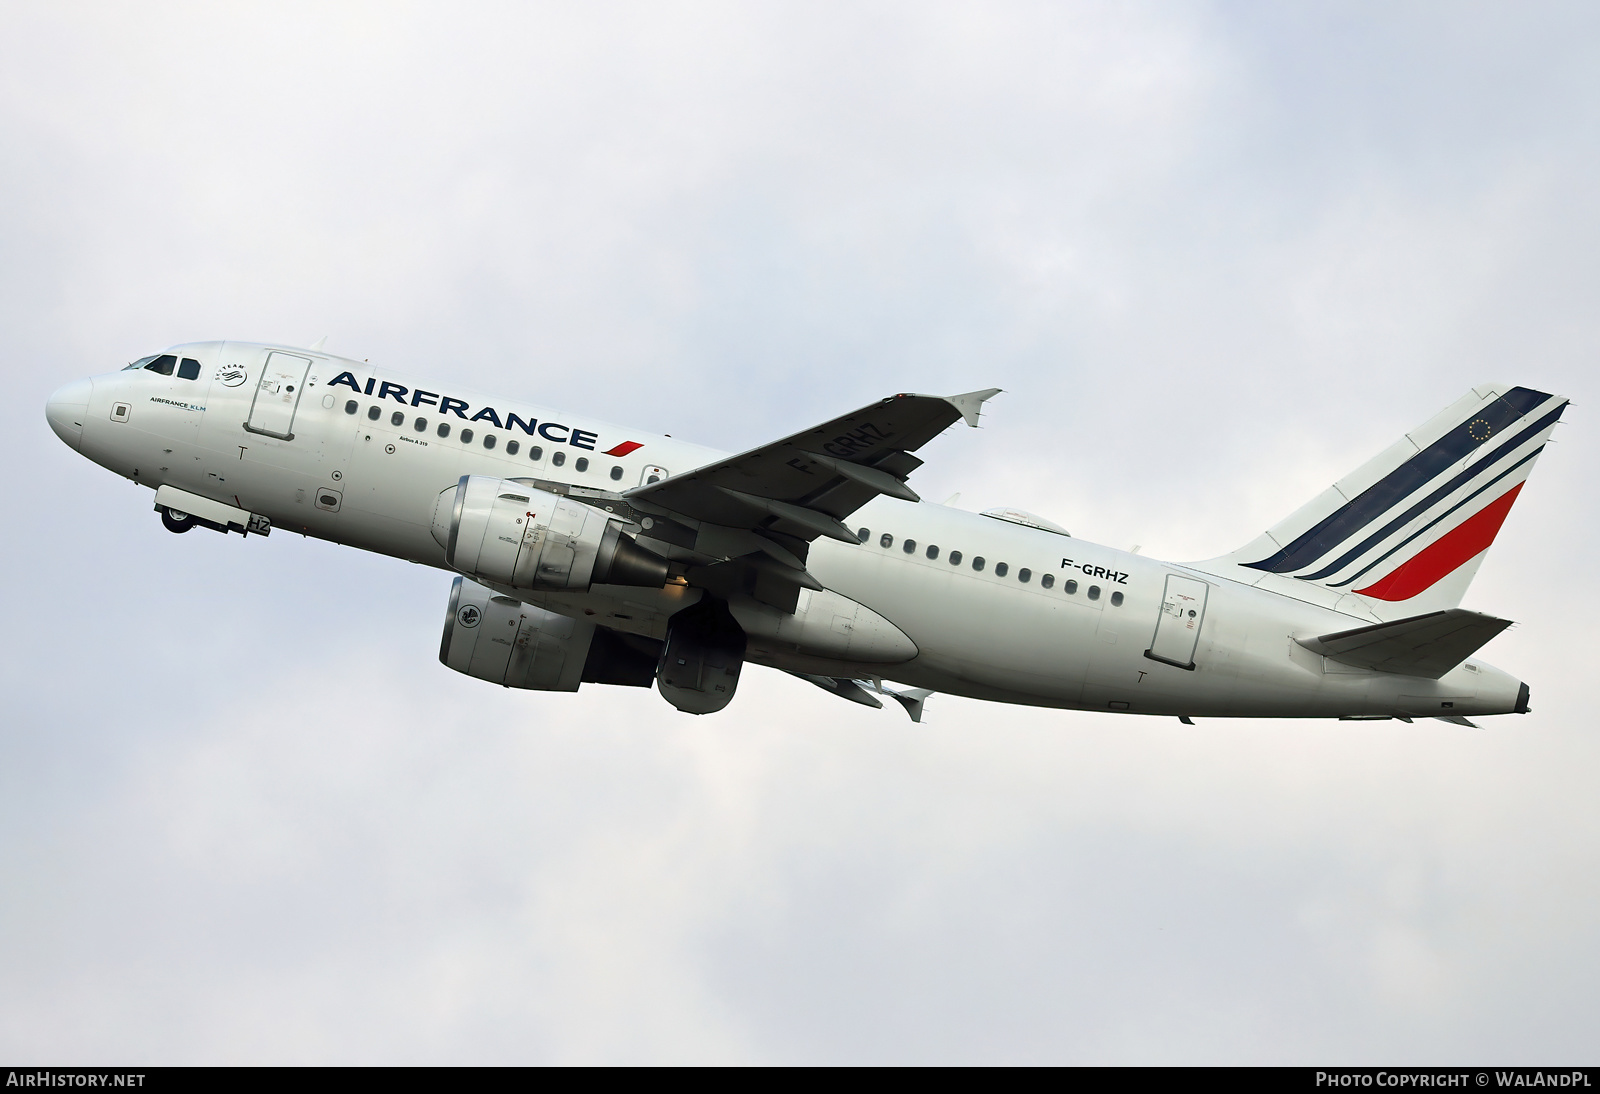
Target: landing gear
[{"x": 176, "y": 521}]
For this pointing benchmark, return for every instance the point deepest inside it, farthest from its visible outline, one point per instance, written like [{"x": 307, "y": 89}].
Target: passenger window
[
  {"x": 373, "y": 412},
  {"x": 977, "y": 562},
  {"x": 488, "y": 440},
  {"x": 582, "y": 464},
  {"x": 933, "y": 552},
  {"x": 1000, "y": 569},
  {"x": 558, "y": 458},
  {"x": 1070, "y": 588},
  {"x": 511, "y": 447},
  {"x": 1094, "y": 592},
  {"x": 189, "y": 369},
  {"x": 466, "y": 436},
  {"x": 864, "y": 534},
  {"x": 351, "y": 407},
  {"x": 397, "y": 418},
  {"x": 1116, "y": 600},
  {"x": 444, "y": 429},
  {"x": 421, "y": 425},
  {"x": 163, "y": 364},
  {"x": 616, "y": 472},
  {"x": 910, "y": 547},
  {"x": 536, "y": 453},
  {"x": 1048, "y": 581},
  {"x": 886, "y": 540},
  {"x": 1024, "y": 574},
  {"x": 955, "y": 558}
]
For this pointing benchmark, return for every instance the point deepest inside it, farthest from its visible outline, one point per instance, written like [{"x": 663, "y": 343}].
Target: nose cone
[{"x": 67, "y": 409}]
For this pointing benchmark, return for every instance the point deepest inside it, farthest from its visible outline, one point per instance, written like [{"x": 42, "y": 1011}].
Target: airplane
[{"x": 589, "y": 552}]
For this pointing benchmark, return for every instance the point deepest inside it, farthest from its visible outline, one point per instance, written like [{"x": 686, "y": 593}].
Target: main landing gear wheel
[{"x": 175, "y": 521}]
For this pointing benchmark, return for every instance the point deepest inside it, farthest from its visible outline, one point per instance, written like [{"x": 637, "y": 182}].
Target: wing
[
  {"x": 774, "y": 500},
  {"x": 801, "y": 487}
]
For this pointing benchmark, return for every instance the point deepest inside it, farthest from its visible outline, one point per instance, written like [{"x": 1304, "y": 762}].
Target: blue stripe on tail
[{"x": 1327, "y": 534}]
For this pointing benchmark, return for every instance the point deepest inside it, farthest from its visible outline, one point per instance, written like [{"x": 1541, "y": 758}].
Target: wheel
[{"x": 174, "y": 521}]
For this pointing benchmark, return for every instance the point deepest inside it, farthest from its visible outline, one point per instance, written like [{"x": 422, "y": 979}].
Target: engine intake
[{"x": 504, "y": 533}]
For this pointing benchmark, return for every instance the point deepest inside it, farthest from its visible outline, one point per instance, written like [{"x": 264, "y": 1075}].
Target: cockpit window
[
  {"x": 163, "y": 364},
  {"x": 141, "y": 362},
  {"x": 189, "y": 369}
]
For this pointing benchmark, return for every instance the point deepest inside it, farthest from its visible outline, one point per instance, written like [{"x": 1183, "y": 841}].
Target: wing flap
[{"x": 1424, "y": 645}]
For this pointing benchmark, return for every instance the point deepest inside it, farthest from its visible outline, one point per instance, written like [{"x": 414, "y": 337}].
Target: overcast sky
[{"x": 1217, "y": 255}]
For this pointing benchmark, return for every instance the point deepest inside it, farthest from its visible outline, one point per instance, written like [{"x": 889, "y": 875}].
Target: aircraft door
[
  {"x": 1183, "y": 608},
  {"x": 277, "y": 395},
  {"x": 652, "y": 474}
]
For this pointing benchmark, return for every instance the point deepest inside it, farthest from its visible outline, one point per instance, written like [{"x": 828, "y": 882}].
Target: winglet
[{"x": 971, "y": 404}]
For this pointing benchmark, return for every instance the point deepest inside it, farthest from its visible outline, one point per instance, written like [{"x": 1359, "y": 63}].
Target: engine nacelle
[
  {"x": 505, "y": 533},
  {"x": 699, "y": 669},
  {"x": 506, "y": 642},
  {"x": 499, "y": 639}
]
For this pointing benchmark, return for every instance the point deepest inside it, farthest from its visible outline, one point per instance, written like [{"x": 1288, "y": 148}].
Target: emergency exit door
[
  {"x": 1183, "y": 608},
  {"x": 277, "y": 395}
]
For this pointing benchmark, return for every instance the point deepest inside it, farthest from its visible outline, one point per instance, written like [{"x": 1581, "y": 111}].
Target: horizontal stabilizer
[
  {"x": 1424, "y": 645},
  {"x": 844, "y": 689},
  {"x": 912, "y": 699}
]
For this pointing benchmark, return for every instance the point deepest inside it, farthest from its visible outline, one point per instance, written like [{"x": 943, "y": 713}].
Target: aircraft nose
[{"x": 66, "y": 410}]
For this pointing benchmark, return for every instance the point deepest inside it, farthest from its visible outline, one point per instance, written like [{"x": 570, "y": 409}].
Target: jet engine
[
  {"x": 501, "y": 640},
  {"x": 504, "y": 533}
]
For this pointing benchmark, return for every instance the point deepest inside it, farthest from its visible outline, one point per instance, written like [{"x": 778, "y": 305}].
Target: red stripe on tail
[{"x": 1447, "y": 553}]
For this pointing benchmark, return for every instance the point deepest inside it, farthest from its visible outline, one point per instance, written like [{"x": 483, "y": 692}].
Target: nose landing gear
[{"x": 174, "y": 520}]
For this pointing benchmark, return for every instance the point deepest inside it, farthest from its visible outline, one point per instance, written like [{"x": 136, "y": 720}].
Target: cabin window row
[
  {"x": 979, "y": 563},
  {"x": 465, "y": 435}
]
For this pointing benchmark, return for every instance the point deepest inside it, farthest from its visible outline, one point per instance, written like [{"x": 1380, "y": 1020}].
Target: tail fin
[{"x": 1406, "y": 532}]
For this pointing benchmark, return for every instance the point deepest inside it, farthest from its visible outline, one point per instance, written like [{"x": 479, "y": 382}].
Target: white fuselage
[{"x": 994, "y": 633}]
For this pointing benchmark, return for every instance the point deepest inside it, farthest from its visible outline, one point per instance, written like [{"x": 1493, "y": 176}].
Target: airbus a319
[{"x": 589, "y": 552}]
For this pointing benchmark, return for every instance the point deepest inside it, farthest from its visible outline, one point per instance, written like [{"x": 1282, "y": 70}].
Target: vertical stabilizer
[{"x": 1406, "y": 532}]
